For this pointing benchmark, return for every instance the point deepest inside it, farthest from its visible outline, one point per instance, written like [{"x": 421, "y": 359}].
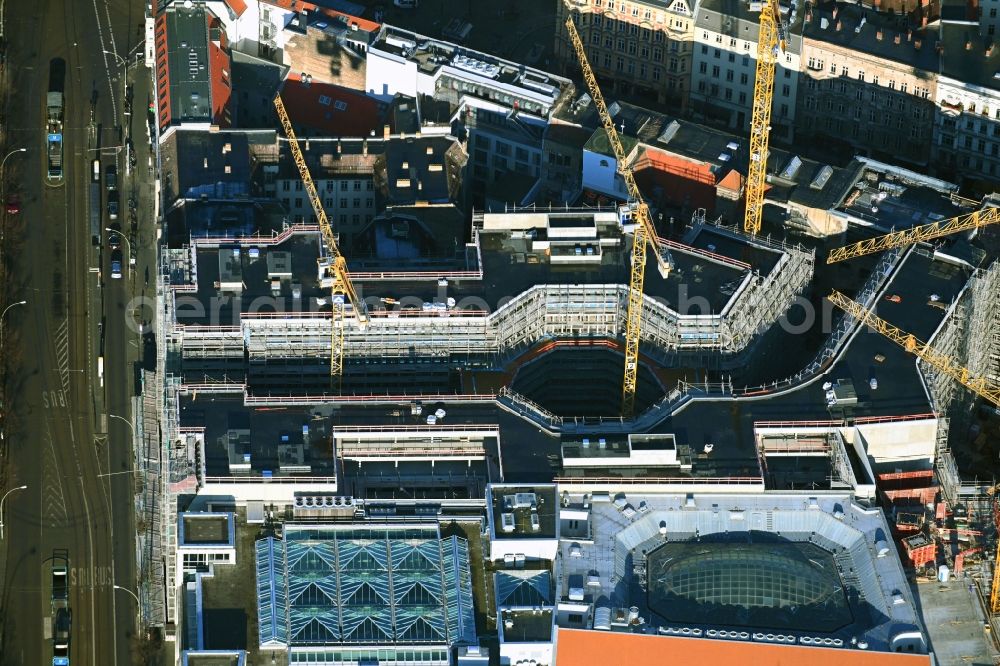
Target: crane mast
[
  {"x": 333, "y": 267},
  {"x": 771, "y": 37},
  {"x": 941, "y": 362},
  {"x": 926, "y": 232},
  {"x": 645, "y": 232}
]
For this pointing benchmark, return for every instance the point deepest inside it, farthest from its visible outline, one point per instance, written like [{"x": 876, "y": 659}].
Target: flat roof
[
  {"x": 188, "y": 63},
  {"x": 203, "y": 529},
  {"x": 522, "y": 502},
  {"x": 736, "y": 541},
  {"x": 581, "y": 647}
]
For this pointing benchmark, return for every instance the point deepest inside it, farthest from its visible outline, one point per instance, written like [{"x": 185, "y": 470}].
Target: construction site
[{"x": 586, "y": 347}]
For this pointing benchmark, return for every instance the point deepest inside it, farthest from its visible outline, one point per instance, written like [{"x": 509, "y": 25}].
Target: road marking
[
  {"x": 91, "y": 577},
  {"x": 55, "y": 398},
  {"x": 62, "y": 353},
  {"x": 53, "y": 499}
]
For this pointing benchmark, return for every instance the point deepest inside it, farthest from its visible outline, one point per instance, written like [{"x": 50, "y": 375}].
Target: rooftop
[
  {"x": 364, "y": 585},
  {"x": 329, "y": 110},
  {"x": 522, "y": 512},
  {"x": 708, "y": 561},
  {"x": 719, "y": 15},
  {"x": 595, "y": 648},
  {"x": 206, "y": 529},
  {"x": 889, "y": 37},
  {"x": 978, "y": 65},
  {"x": 187, "y": 59}
]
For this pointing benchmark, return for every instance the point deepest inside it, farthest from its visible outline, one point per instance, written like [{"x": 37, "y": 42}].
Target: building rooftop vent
[
  {"x": 822, "y": 176},
  {"x": 670, "y": 132},
  {"x": 792, "y": 168}
]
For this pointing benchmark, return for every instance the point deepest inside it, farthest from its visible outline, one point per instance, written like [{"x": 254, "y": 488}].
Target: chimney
[
  {"x": 840, "y": 24},
  {"x": 386, "y": 131},
  {"x": 340, "y": 148},
  {"x": 896, "y": 40},
  {"x": 809, "y": 16},
  {"x": 917, "y": 43},
  {"x": 909, "y": 35},
  {"x": 878, "y": 35},
  {"x": 968, "y": 45},
  {"x": 364, "y": 147},
  {"x": 835, "y": 10}
]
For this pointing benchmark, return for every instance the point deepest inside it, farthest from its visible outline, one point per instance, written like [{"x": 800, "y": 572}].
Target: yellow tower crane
[
  {"x": 926, "y": 232},
  {"x": 645, "y": 232},
  {"x": 771, "y": 38},
  {"x": 941, "y": 362},
  {"x": 333, "y": 267}
]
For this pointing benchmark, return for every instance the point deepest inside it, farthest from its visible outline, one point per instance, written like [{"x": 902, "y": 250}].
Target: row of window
[
  {"x": 786, "y": 89},
  {"x": 329, "y": 185},
  {"x": 631, "y": 47},
  {"x": 328, "y": 202},
  {"x": 713, "y": 90},
  {"x": 620, "y": 64},
  {"x": 973, "y": 126},
  {"x": 645, "y": 34},
  {"x": 853, "y": 128}
]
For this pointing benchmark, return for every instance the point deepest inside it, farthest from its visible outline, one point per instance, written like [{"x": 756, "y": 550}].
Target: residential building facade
[
  {"x": 724, "y": 69},
  {"x": 868, "y": 86},
  {"x": 638, "y": 48}
]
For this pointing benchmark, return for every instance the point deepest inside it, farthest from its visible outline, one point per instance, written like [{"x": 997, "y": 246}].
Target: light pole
[
  {"x": 131, "y": 593},
  {"x": 128, "y": 244},
  {"x": 3, "y": 182},
  {"x": 122, "y": 418},
  {"x": 4, "y": 314},
  {"x": 1, "y": 506}
]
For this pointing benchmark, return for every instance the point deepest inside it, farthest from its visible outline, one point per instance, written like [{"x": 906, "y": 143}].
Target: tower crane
[
  {"x": 333, "y": 267},
  {"x": 771, "y": 38},
  {"x": 645, "y": 232},
  {"x": 939, "y": 361},
  {"x": 926, "y": 232}
]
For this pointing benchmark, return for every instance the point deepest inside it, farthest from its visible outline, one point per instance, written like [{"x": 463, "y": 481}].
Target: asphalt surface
[{"x": 75, "y": 460}]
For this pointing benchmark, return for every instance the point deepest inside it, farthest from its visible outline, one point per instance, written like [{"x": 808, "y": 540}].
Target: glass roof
[
  {"x": 366, "y": 586},
  {"x": 760, "y": 582}
]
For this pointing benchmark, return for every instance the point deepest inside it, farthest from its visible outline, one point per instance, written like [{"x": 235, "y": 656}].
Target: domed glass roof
[{"x": 766, "y": 583}]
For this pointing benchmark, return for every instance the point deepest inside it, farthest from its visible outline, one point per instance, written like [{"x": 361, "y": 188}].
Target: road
[{"x": 60, "y": 442}]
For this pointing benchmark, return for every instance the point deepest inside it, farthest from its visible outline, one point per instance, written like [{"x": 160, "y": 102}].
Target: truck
[
  {"x": 54, "y": 103},
  {"x": 62, "y": 616}
]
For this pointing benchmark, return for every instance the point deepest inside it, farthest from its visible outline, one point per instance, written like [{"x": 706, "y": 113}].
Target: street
[{"x": 67, "y": 430}]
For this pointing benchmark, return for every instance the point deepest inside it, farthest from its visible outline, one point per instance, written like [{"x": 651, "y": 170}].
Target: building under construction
[{"x": 250, "y": 312}]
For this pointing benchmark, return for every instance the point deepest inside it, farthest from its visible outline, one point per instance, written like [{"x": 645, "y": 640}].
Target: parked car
[
  {"x": 113, "y": 205},
  {"x": 13, "y": 204},
  {"x": 116, "y": 264}
]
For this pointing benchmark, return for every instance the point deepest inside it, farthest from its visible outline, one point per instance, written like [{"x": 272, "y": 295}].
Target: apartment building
[
  {"x": 966, "y": 131},
  {"x": 868, "y": 85},
  {"x": 639, "y": 48},
  {"x": 724, "y": 67}
]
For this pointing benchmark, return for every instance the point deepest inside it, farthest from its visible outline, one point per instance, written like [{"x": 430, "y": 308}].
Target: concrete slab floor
[{"x": 954, "y": 621}]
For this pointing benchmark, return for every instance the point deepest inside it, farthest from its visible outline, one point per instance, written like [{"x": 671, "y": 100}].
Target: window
[
  {"x": 343, "y": 186},
  {"x": 657, "y": 73},
  {"x": 343, "y": 202},
  {"x": 369, "y": 202},
  {"x": 701, "y": 86},
  {"x": 595, "y": 38},
  {"x": 993, "y": 13},
  {"x": 715, "y": 71},
  {"x": 298, "y": 202},
  {"x": 871, "y": 115},
  {"x": 786, "y": 90},
  {"x": 744, "y": 78},
  {"x": 643, "y": 70},
  {"x": 503, "y": 148},
  {"x": 717, "y": 54},
  {"x": 746, "y": 61},
  {"x": 903, "y": 87},
  {"x": 784, "y": 110},
  {"x": 329, "y": 186},
  {"x": 658, "y": 55},
  {"x": 729, "y": 95},
  {"x": 729, "y": 75},
  {"x": 357, "y": 203},
  {"x": 285, "y": 185},
  {"x": 357, "y": 186},
  {"x": 833, "y": 68},
  {"x": 621, "y": 44},
  {"x": 892, "y": 85},
  {"x": 369, "y": 185},
  {"x": 743, "y": 98},
  {"x": 631, "y": 48},
  {"x": 328, "y": 202},
  {"x": 644, "y": 53},
  {"x": 787, "y": 73},
  {"x": 298, "y": 186},
  {"x": 704, "y": 49},
  {"x": 843, "y": 70},
  {"x": 620, "y": 64},
  {"x": 732, "y": 57}
]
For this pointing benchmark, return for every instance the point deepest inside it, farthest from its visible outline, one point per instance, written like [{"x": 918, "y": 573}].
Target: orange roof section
[
  {"x": 584, "y": 647},
  {"x": 238, "y": 6},
  {"x": 732, "y": 181}
]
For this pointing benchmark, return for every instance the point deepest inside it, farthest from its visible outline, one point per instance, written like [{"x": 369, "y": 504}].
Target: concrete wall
[{"x": 899, "y": 440}]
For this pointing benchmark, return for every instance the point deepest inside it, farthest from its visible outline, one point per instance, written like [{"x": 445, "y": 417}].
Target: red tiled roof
[
  {"x": 295, "y": 5},
  {"x": 220, "y": 76},
  {"x": 579, "y": 647},
  {"x": 732, "y": 181},
  {"x": 238, "y": 6},
  {"x": 362, "y": 23},
  {"x": 316, "y": 106}
]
